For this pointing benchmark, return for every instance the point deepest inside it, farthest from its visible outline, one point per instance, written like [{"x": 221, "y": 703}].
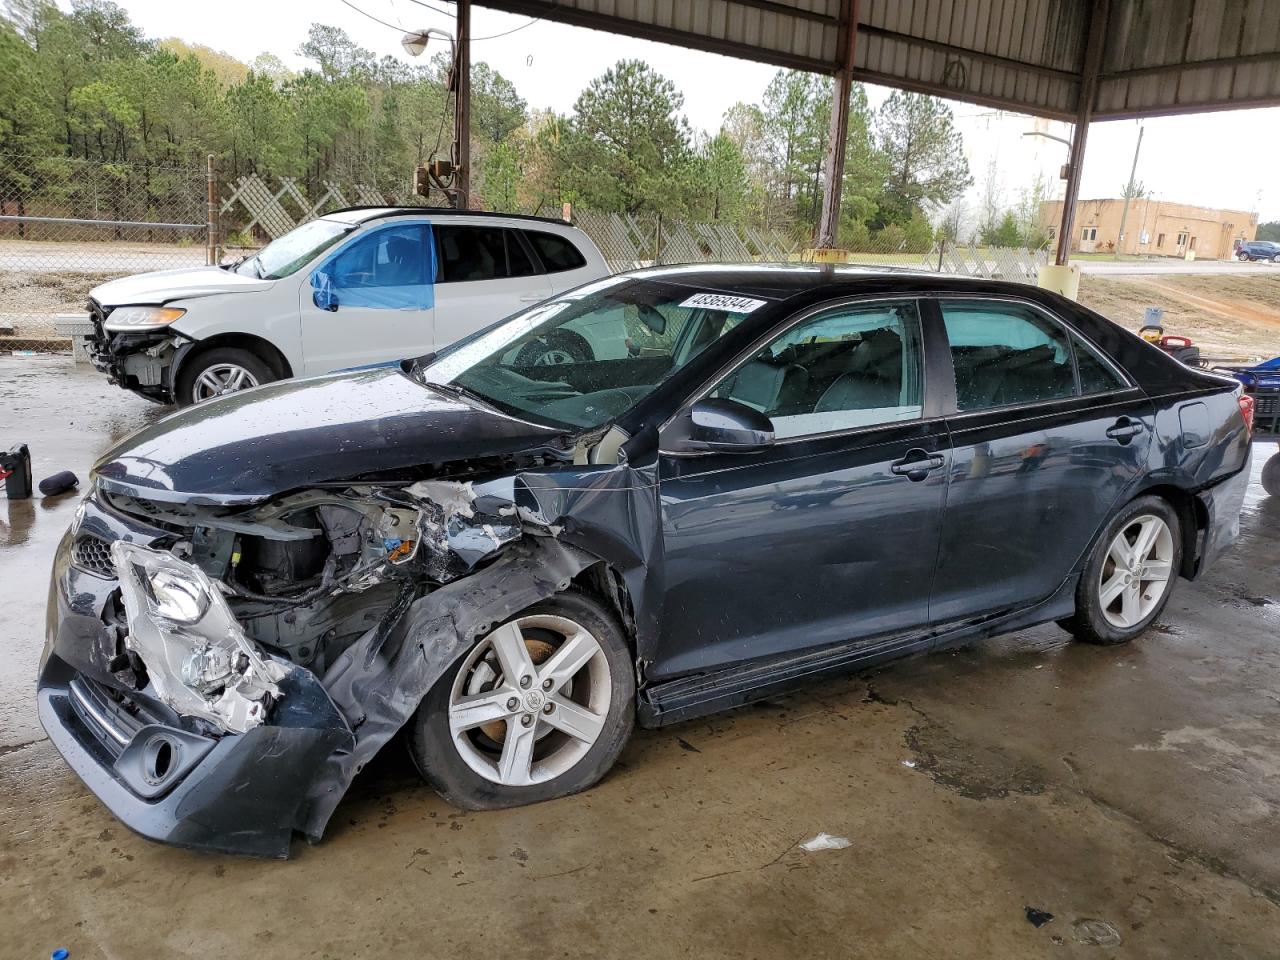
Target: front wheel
[
  {"x": 539, "y": 708},
  {"x": 1129, "y": 575},
  {"x": 220, "y": 371}
]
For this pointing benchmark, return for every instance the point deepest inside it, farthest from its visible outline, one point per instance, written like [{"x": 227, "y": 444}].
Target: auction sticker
[{"x": 722, "y": 301}]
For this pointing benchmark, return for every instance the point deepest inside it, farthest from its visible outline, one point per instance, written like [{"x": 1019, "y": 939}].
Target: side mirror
[
  {"x": 727, "y": 425},
  {"x": 322, "y": 292}
]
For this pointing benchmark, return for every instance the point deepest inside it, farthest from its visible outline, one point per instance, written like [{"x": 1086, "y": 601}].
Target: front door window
[
  {"x": 391, "y": 268},
  {"x": 849, "y": 367}
]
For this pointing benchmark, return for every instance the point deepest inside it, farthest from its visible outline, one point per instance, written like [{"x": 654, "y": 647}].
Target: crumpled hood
[
  {"x": 249, "y": 446},
  {"x": 164, "y": 286}
]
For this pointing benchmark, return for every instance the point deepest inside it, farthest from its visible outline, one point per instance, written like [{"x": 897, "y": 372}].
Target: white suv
[{"x": 355, "y": 287}]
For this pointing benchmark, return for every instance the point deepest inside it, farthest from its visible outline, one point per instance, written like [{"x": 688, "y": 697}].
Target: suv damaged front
[{"x": 258, "y": 592}]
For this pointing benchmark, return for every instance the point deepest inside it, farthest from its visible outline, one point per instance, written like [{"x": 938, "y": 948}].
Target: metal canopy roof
[{"x": 1158, "y": 56}]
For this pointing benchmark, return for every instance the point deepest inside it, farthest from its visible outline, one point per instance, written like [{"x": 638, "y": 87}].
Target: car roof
[
  {"x": 365, "y": 214},
  {"x": 781, "y": 281}
]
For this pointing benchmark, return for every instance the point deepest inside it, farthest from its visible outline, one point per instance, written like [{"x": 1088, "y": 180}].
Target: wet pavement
[{"x": 1130, "y": 792}]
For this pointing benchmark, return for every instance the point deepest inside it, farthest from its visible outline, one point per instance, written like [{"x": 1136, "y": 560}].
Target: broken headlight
[{"x": 176, "y": 597}]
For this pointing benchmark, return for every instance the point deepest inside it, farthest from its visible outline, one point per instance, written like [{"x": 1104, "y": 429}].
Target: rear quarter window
[{"x": 556, "y": 252}]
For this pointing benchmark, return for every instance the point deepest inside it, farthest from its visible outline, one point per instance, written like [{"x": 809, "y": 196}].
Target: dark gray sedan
[{"x": 660, "y": 495}]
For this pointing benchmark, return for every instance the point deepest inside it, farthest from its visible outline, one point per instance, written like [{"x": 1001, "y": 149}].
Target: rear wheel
[
  {"x": 539, "y": 708},
  {"x": 1129, "y": 575},
  {"x": 220, "y": 371}
]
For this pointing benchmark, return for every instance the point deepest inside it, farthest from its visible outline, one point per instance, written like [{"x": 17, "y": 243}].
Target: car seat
[{"x": 874, "y": 377}]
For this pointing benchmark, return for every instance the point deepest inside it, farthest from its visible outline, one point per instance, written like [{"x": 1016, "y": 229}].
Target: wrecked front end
[
  {"x": 138, "y": 360},
  {"x": 218, "y": 675}
]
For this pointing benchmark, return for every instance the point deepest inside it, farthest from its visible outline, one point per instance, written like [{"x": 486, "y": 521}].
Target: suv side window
[
  {"x": 480, "y": 253},
  {"x": 1005, "y": 353},
  {"x": 388, "y": 268},
  {"x": 556, "y": 252},
  {"x": 852, "y": 366}
]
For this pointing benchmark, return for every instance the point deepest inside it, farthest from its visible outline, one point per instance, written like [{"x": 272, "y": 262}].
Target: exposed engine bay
[{"x": 215, "y": 620}]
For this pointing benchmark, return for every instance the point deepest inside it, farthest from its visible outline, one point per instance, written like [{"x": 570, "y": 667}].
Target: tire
[
  {"x": 1276, "y": 258},
  {"x": 558, "y": 346},
  {"x": 1271, "y": 475},
  {"x": 194, "y": 384},
  {"x": 1242, "y": 257},
  {"x": 1135, "y": 607},
  {"x": 465, "y": 760}
]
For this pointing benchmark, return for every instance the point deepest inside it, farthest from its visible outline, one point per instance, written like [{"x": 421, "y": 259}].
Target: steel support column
[
  {"x": 829, "y": 224},
  {"x": 1099, "y": 14},
  {"x": 462, "y": 110}
]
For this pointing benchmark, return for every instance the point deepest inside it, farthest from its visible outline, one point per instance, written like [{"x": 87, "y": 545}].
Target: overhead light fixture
[{"x": 415, "y": 41}]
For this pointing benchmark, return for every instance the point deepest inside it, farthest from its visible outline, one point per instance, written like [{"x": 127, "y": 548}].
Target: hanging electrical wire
[
  {"x": 364, "y": 13},
  {"x": 492, "y": 36}
]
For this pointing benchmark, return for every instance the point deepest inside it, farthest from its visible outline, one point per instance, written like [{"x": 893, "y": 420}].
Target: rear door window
[
  {"x": 556, "y": 252},
  {"x": 1096, "y": 375},
  {"x": 1005, "y": 354},
  {"x": 469, "y": 253}
]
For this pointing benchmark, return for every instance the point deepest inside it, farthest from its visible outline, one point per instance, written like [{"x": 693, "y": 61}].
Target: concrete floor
[{"x": 1136, "y": 786}]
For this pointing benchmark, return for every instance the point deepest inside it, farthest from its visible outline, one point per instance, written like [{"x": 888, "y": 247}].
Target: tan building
[{"x": 1155, "y": 227}]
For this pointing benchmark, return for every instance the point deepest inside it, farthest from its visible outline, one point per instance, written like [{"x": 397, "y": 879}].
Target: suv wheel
[
  {"x": 539, "y": 708},
  {"x": 1129, "y": 575},
  {"x": 218, "y": 372}
]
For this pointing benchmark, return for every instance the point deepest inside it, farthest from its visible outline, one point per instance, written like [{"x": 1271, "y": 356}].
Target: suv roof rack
[{"x": 395, "y": 209}]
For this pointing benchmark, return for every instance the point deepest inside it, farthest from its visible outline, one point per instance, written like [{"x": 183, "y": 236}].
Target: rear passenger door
[
  {"x": 1046, "y": 437},
  {"x": 485, "y": 273}
]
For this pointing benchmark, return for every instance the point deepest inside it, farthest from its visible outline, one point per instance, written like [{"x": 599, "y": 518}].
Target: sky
[{"x": 1200, "y": 158}]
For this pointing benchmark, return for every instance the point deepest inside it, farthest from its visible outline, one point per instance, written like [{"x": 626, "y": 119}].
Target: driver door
[
  {"x": 370, "y": 302},
  {"x": 821, "y": 537}
]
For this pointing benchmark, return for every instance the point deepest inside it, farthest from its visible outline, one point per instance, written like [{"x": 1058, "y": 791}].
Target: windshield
[
  {"x": 293, "y": 251},
  {"x": 589, "y": 356}
]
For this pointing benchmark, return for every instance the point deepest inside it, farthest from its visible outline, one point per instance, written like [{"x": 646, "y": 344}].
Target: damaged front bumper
[
  {"x": 142, "y": 362},
  {"x": 195, "y": 735},
  {"x": 179, "y": 779}
]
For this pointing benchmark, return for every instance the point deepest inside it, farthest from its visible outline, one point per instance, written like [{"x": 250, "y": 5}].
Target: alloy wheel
[
  {"x": 1136, "y": 572},
  {"x": 530, "y": 700},
  {"x": 219, "y": 379}
]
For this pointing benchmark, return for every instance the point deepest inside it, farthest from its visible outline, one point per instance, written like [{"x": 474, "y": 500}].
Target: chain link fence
[{"x": 67, "y": 225}]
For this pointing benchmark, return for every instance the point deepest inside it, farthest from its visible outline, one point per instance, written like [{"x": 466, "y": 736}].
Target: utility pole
[
  {"x": 462, "y": 110},
  {"x": 1128, "y": 194}
]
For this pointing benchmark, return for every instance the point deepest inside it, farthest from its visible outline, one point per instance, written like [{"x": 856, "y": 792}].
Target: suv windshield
[
  {"x": 588, "y": 356},
  {"x": 293, "y": 251}
]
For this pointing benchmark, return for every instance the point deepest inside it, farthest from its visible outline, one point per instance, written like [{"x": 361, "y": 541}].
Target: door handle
[
  {"x": 917, "y": 464},
  {"x": 533, "y": 299},
  {"x": 1124, "y": 430}
]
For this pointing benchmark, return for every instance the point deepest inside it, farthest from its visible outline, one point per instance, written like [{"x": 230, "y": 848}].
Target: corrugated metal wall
[{"x": 1162, "y": 56}]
